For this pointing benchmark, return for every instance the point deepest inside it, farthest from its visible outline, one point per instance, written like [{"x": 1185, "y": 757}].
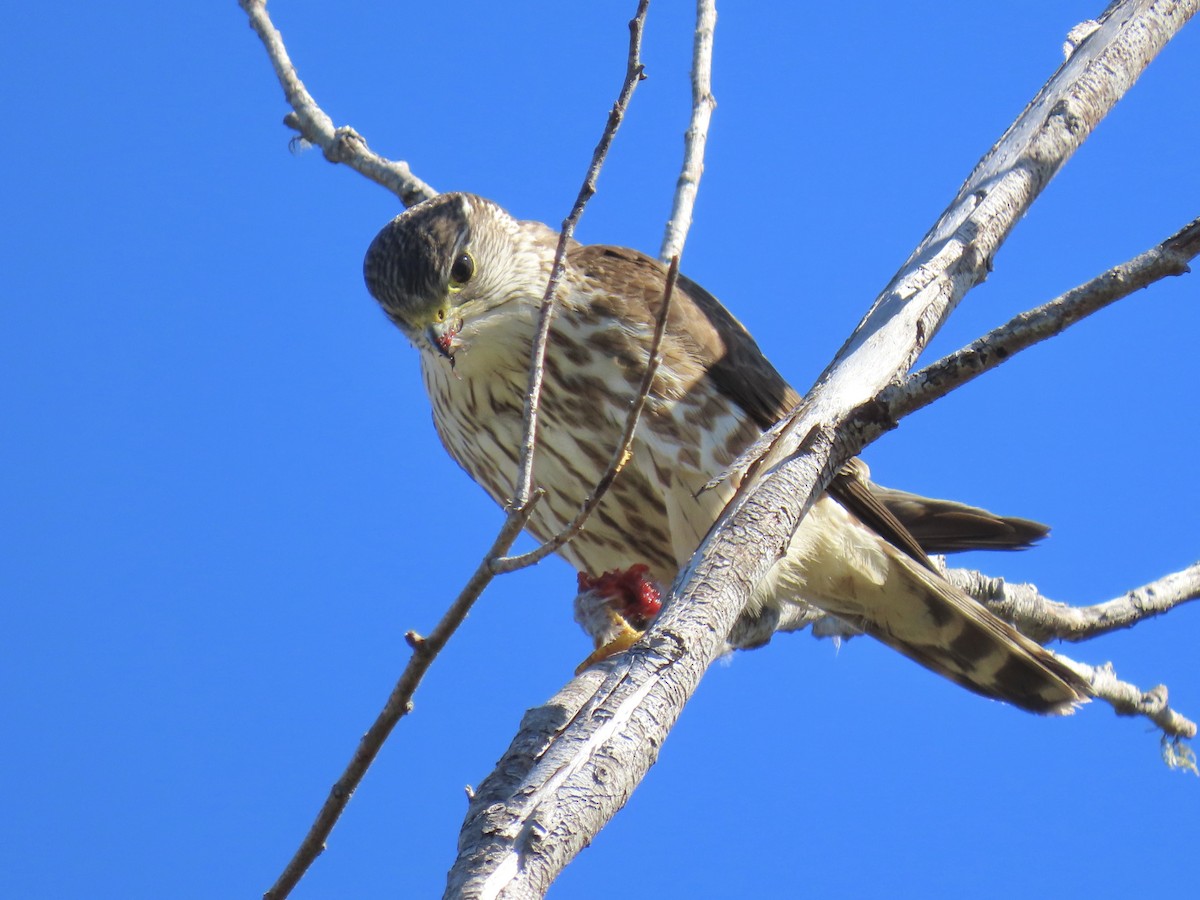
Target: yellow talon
[{"x": 625, "y": 639}]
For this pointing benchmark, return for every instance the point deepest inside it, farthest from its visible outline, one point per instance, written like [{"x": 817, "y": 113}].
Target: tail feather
[
  {"x": 945, "y": 526},
  {"x": 846, "y": 569},
  {"x": 969, "y": 645}
]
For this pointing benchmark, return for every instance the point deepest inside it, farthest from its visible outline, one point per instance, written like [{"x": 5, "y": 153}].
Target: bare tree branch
[
  {"x": 398, "y": 705},
  {"x": 340, "y": 145},
  {"x": 918, "y": 390},
  {"x": 696, "y": 137},
  {"x": 633, "y": 74},
  {"x": 1046, "y": 620},
  {"x": 954, "y": 256},
  {"x": 1039, "y": 617},
  {"x": 576, "y": 761},
  {"x": 344, "y": 145},
  {"x": 1129, "y": 700}
]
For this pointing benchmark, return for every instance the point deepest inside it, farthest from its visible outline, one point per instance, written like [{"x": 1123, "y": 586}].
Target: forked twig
[
  {"x": 317, "y": 127},
  {"x": 1129, "y": 700}
]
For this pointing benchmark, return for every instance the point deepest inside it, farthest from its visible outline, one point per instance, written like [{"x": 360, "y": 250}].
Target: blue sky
[{"x": 223, "y": 502}]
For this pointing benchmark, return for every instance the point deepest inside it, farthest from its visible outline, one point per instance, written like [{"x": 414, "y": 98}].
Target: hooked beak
[{"x": 442, "y": 335}]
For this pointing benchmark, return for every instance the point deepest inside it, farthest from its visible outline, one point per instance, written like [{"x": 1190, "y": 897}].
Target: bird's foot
[
  {"x": 615, "y": 608},
  {"x": 626, "y": 637}
]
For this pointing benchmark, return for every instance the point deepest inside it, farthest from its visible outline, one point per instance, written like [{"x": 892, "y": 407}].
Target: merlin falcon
[{"x": 464, "y": 281}]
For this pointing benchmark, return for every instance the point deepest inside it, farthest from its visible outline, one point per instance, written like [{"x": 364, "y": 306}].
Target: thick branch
[
  {"x": 957, "y": 252},
  {"x": 601, "y": 733},
  {"x": 537, "y": 810}
]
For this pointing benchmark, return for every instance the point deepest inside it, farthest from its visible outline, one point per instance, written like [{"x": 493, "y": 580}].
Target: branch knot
[{"x": 347, "y": 144}]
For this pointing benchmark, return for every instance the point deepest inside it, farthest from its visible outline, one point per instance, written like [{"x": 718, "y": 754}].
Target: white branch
[
  {"x": 1047, "y": 620},
  {"x": 340, "y": 145},
  {"x": 1129, "y": 700},
  {"x": 597, "y": 738},
  {"x": 696, "y": 137},
  {"x": 1035, "y": 616}
]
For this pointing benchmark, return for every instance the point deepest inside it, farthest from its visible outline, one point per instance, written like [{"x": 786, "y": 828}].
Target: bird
[{"x": 464, "y": 281}]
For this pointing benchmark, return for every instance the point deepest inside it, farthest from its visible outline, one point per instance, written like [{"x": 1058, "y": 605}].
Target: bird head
[{"x": 439, "y": 268}]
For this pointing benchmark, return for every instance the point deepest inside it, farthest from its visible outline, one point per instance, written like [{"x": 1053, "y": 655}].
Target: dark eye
[{"x": 462, "y": 270}]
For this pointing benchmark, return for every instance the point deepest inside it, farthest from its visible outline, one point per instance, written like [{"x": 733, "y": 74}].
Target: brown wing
[
  {"x": 697, "y": 325},
  {"x": 742, "y": 373},
  {"x": 711, "y": 337}
]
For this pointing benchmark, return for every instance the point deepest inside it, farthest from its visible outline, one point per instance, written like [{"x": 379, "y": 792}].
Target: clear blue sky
[{"x": 223, "y": 503}]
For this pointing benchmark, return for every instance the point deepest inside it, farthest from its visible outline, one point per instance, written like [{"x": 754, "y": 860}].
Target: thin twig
[
  {"x": 624, "y": 447},
  {"x": 696, "y": 136},
  {"x": 633, "y": 74},
  {"x": 340, "y": 145},
  {"x": 672, "y": 246},
  {"x": 918, "y": 390},
  {"x": 1129, "y": 700},
  {"x": 316, "y": 126},
  {"x": 399, "y": 704}
]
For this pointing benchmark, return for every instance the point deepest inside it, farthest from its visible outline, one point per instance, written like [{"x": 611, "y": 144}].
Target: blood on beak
[{"x": 442, "y": 335}]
